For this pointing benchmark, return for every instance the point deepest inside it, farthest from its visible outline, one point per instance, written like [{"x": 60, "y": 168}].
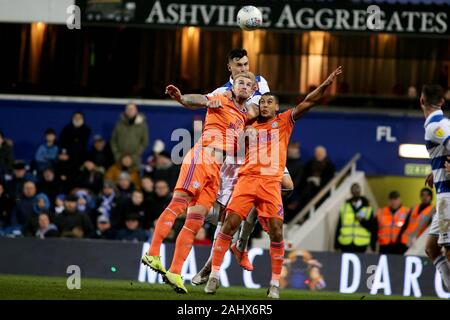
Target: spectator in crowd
[
  {"x": 135, "y": 206},
  {"x": 89, "y": 177},
  {"x": 6, "y": 205},
  {"x": 147, "y": 187},
  {"x": 125, "y": 187},
  {"x": 41, "y": 205},
  {"x": 318, "y": 172},
  {"x": 447, "y": 95},
  {"x": 418, "y": 219},
  {"x": 65, "y": 171},
  {"x": 46, "y": 228},
  {"x": 59, "y": 203},
  {"x": 130, "y": 135},
  {"x": 108, "y": 204},
  {"x": 294, "y": 163},
  {"x": 357, "y": 225},
  {"x": 49, "y": 184},
  {"x": 71, "y": 223},
  {"x": 201, "y": 238},
  {"x": 74, "y": 140},
  {"x": 101, "y": 154},
  {"x": 390, "y": 221},
  {"x": 165, "y": 169},
  {"x": 47, "y": 153},
  {"x": 177, "y": 226},
  {"x": 132, "y": 231},
  {"x": 148, "y": 168},
  {"x": 160, "y": 201},
  {"x": 104, "y": 229},
  {"x": 412, "y": 92},
  {"x": 86, "y": 202},
  {"x": 20, "y": 175},
  {"x": 6, "y": 155},
  {"x": 443, "y": 76},
  {"x": 24, "y": 206},
  {"x": 296, "y": 167},
  {"x": 125, "y": 165}
]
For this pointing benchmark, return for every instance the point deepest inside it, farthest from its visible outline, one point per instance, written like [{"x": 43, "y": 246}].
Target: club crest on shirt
[
  {"x": 274, "y": 125},
  {"x": 439, "y": 133},
  {"x": 196, "y": 184}
]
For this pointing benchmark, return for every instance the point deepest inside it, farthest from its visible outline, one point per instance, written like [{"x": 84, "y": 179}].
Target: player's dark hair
[
  {"x": 430, "y": 193},
  {"x": 271, "y": 94},
  {"x": 236, "y": 53},
  {"x": 432, "y": 94}
]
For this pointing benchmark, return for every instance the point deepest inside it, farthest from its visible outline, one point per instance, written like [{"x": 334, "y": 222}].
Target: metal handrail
[{"x": 350, "y": 166}]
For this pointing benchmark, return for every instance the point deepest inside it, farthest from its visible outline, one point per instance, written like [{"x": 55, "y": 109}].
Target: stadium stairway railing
[{"x": 317, "y": 232}]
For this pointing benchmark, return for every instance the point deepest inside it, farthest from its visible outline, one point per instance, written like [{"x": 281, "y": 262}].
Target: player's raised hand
[
  {"x": 173, "y": 92},
  {"x": 333, "y": 75},
  {"x": 214, "y": 104}
]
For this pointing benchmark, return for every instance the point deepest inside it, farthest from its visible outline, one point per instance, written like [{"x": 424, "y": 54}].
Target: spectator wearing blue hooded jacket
[
  {"x": 86, "y": 202},
  {"x": 41, "y": 204},
  {"x": 47, "y": 153}
]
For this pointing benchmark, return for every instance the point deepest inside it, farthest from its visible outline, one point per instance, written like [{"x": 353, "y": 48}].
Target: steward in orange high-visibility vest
[
  {"x": 419, "y": 218},
  {"x": 390, "y": 222}
]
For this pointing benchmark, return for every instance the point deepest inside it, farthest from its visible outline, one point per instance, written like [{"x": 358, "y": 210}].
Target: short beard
[{"x": 241, "y": 99}]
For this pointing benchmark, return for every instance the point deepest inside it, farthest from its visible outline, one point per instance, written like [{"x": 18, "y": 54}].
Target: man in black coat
[
  {"x": 24, "y": 204},
  {"x": 101, "y": 154},
  {"x": 50, "y": 185},
  {"x": 160, "y": 201},
  {"x": 104, "y": 230},
  {"x": 89, "y": 178},
  {"x": 6, "y": 155},
  {"x": 73, "y": 141},
  {"x": 6, "y": 206},
  {"x": 132, "y": 231},
  {"x": 14, "y": 187},
  {"x": 72, "y": 223},
  {"x": 318, "y": 172}
]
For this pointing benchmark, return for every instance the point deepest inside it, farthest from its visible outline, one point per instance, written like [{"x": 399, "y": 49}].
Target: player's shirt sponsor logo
[
  {"x": 265, "y": 137},
  {"x": 236, "y": 125}
]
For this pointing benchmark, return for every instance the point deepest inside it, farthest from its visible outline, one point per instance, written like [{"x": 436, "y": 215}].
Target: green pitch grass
[{"x": 36, "y": 287}]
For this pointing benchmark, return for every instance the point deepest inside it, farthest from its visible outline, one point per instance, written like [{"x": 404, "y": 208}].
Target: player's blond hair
[{"x": 248, "y": 75}]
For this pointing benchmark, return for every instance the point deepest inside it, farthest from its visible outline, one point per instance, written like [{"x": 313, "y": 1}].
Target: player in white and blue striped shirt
[{"x": 437, "y": 139}]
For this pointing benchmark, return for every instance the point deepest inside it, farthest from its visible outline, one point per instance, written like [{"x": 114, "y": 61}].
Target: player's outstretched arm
[
  {"x": 189, "y": 101},
  {"x": 312, "y": 98}
]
